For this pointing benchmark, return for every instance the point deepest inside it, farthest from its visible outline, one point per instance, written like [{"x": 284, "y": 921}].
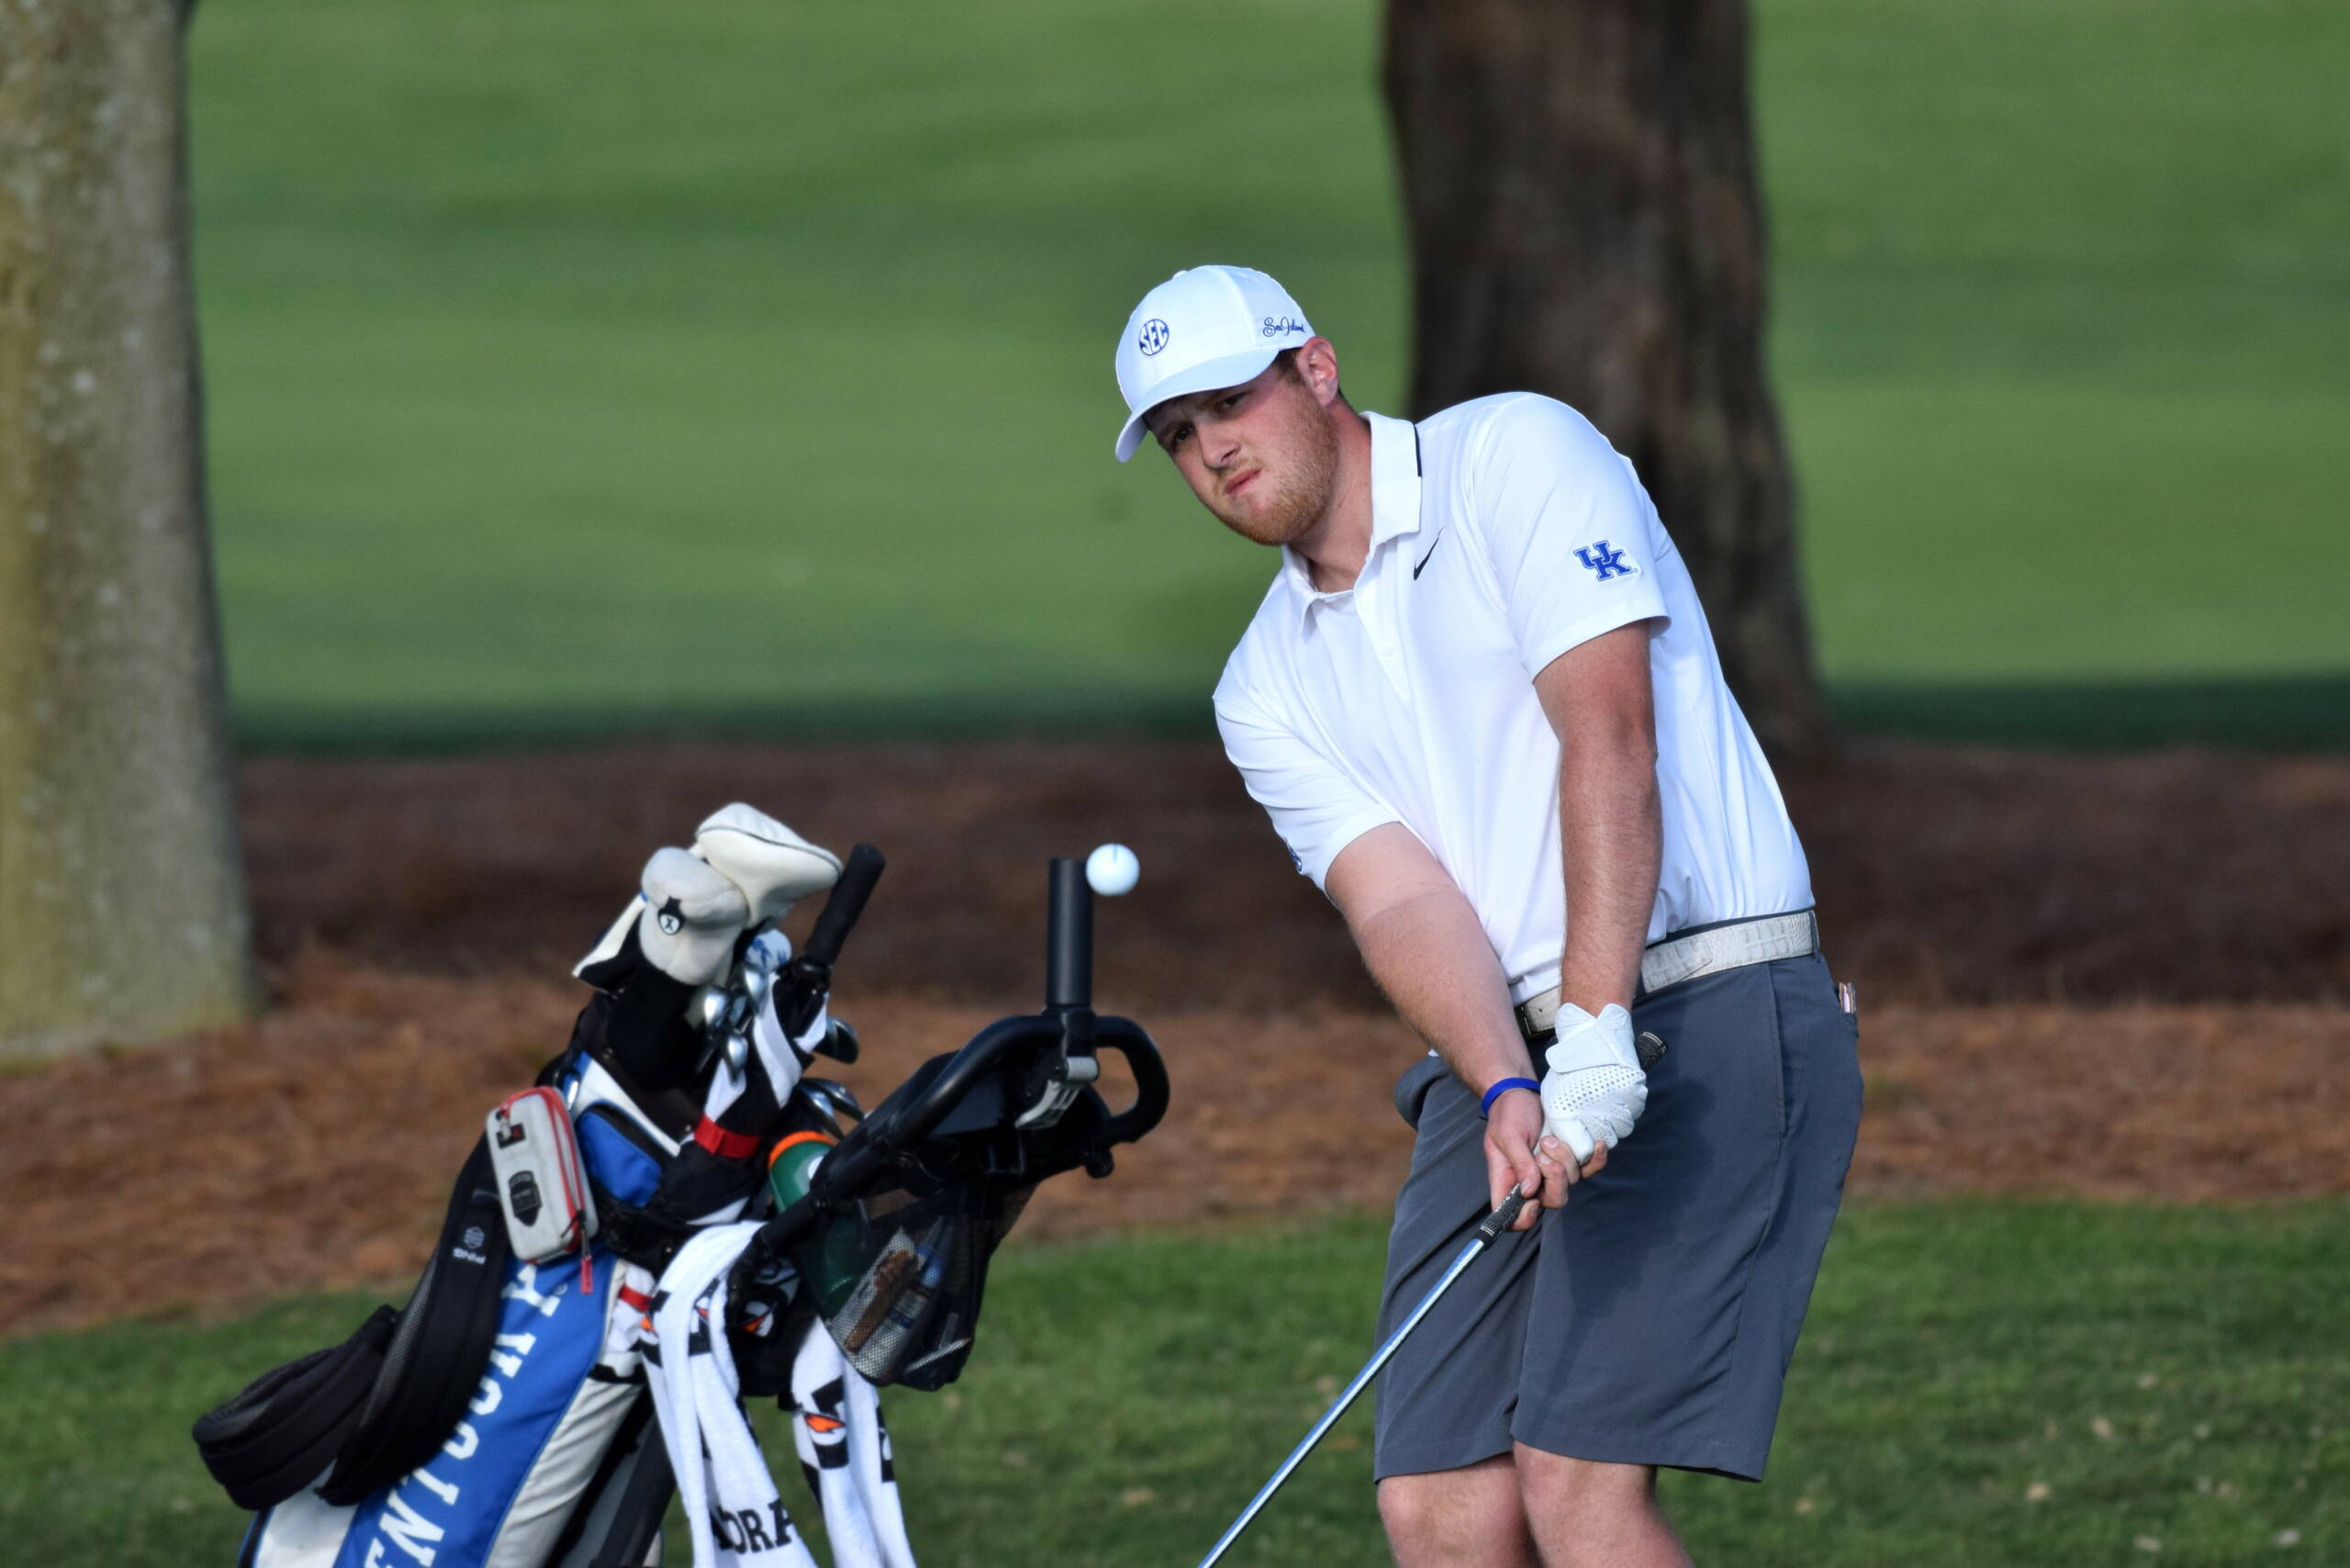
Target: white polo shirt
[{"x": 1503, "y": 533}]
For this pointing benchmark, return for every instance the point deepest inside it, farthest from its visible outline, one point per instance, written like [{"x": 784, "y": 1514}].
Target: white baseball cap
[{"x": 1203, "y": 329}]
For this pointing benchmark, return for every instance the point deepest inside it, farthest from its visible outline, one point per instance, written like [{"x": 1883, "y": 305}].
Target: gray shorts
[{"x": 1650, "y": 1320}]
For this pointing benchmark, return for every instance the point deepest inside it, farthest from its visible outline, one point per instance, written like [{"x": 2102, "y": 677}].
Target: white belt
[{"x": 1700, "y": 953}]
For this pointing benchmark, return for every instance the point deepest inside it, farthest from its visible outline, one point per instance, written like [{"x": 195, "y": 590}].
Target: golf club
[{"x": 1499, "y": 1220}]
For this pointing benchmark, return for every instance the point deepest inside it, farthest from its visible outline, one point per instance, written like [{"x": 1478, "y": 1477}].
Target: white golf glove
[{"x": 1595, "y": 1090}]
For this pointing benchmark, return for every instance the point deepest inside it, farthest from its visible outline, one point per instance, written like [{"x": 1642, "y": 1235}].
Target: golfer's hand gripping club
[
  {"x": 1595, "y": 1088},
  {"x": 1522, "y": 1157}
]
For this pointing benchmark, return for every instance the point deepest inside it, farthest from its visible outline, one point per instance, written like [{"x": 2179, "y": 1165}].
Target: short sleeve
[
  {"x": 1315, "y": 808},
  {"x": 1570, "y": 533}
]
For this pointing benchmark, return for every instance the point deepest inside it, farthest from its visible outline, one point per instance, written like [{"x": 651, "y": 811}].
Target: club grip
[
  {"x": 1502, "y": 1218},
  {"x": 855, "y": 885},
  {"x": 1069, "y": 937}
]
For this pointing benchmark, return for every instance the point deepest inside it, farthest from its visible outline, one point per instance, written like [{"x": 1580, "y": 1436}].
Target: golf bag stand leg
[{"x": 636, "y": 1523}]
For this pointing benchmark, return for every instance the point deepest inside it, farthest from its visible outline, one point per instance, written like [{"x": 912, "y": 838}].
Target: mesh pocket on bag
[{"x": 902, "y": 1298}]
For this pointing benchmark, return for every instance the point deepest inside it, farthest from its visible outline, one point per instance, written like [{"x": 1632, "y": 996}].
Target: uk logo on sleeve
[{"x": 1605, "y": 563}]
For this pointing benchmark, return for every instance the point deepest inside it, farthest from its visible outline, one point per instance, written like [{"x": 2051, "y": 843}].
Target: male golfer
[{"x": 1481, "y": 706}]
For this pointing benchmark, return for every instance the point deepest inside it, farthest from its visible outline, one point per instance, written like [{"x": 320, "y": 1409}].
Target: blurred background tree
[
  {"x": 1580, "y": 192},
  {"x": 122, "y": 911}
]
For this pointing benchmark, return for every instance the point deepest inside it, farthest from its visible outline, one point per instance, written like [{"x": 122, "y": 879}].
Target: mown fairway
[
  {"x": 591, "y": 362},
  {"x": 2017, "y": 1384}
]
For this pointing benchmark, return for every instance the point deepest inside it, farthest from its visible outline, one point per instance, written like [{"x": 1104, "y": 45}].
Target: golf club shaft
[{"x": 1499, "y": 1220}]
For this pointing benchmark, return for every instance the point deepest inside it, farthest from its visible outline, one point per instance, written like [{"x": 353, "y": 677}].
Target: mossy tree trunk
[
  {"x": 122, "y": 912},
  {"x": 1579, "y": 183}
]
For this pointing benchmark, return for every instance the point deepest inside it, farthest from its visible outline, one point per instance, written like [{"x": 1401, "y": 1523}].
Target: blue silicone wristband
[{"x": 1485, "y": 1106}]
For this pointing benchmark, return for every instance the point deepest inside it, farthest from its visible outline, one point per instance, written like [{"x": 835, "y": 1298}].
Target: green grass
[
  {"x": 2177, "y": 1375},
  {"x": 2064, "y": 331},
  {"x": 746, "y": 361},
  {"x": 2274, "y": 713}
]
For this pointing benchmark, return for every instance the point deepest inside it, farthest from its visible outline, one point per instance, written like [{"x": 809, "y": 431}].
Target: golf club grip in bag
[
  {"x": 810, "y": 973},
  {"x": 1069, "y": 937},
  {"x": 845, "y": 905}
]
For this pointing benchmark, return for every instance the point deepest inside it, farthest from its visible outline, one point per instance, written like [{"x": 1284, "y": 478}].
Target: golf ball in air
[{"x": 1113, "y": 869}]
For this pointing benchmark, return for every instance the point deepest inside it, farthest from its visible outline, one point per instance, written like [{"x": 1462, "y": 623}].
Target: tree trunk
[
  {"x": 122, "y": 913},
  {"x": 1578, "y": 182}
]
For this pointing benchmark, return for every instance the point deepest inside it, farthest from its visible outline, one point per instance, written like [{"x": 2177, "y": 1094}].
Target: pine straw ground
[{"x": 2116, "y": 977}]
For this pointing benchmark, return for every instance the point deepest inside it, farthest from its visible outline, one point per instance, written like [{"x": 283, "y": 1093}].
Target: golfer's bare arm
[
  {"x": 1602, "y": 705},
  {"x": 1424, "y": 943}
]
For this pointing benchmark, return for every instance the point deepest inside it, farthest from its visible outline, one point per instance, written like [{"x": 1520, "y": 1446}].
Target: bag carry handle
[{"x": 1128, "y": 1039}]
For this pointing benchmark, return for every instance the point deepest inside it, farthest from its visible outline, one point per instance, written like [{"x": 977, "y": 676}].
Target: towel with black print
[
  {"x": 844, "y": 1453},
  {"x": 736, "y": 1516}
]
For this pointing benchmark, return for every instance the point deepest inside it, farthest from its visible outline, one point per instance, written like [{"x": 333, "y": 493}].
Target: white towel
[
  {"x": 845, "y": 1452},
  {"x": 729, "y": 1496},
  {"x": 730, "y": 1503}
]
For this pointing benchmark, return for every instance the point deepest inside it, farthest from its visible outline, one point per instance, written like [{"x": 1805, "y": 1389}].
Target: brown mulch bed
[
  {"x": 315, "y": 1148},
  {"x": 1943, "y": 874},
  {"x": 2116, "y": 977}
]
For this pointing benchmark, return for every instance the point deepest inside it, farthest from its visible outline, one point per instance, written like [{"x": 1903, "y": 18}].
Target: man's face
[{"x": 1261, "y": 455}]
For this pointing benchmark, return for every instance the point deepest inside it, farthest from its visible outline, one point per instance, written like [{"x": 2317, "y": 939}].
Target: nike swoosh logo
[{"x": 1423, "y": 560}]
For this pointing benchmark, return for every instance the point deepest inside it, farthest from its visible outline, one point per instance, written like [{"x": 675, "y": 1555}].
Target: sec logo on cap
[{"x": 1154, "y": 336}]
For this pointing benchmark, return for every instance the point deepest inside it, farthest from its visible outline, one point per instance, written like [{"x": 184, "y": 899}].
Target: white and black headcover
[
  {"x": 691, "y": 917},
  {"x": 746, "y": 869},
  {"x": 774, "y": 865}
]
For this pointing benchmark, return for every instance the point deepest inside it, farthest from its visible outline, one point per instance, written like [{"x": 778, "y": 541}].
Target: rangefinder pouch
[{"x": 541, "y": 1182}]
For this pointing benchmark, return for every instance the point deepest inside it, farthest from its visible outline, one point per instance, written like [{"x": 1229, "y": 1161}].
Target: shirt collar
[
  {"x": 1394, "y": 478},
  {"x": 1394, "y": 505}
]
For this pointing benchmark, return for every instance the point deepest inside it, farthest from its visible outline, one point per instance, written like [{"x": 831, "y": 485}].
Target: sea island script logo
[
  {"x": 1152, "y": 337},
  {"x": 1282, "y": 326},
  {"x": 1606, "y": 563}
]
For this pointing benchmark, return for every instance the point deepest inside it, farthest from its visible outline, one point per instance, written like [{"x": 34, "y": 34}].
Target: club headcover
[
  {"x": 692, "y": 915},
  {"x": 774, "y": 866}
]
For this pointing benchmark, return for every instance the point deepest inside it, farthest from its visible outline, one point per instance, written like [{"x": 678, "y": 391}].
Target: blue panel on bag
[
  {"x": 617, "y": 1165},
  {"x": 449, "y": 1509},
  {"x": 448, "y": 1512}
]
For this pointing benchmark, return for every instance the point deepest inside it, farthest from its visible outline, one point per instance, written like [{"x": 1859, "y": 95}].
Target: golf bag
[
  {"x": 505, "y": 1419},
  {"x": 488, "y": 1421},
  {"x": 550, "y": 1420},
  {"x": 887, "y": 1249}
]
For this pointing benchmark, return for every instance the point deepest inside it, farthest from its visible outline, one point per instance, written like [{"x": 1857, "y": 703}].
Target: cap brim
[{"x": 1208, "y": 376}]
